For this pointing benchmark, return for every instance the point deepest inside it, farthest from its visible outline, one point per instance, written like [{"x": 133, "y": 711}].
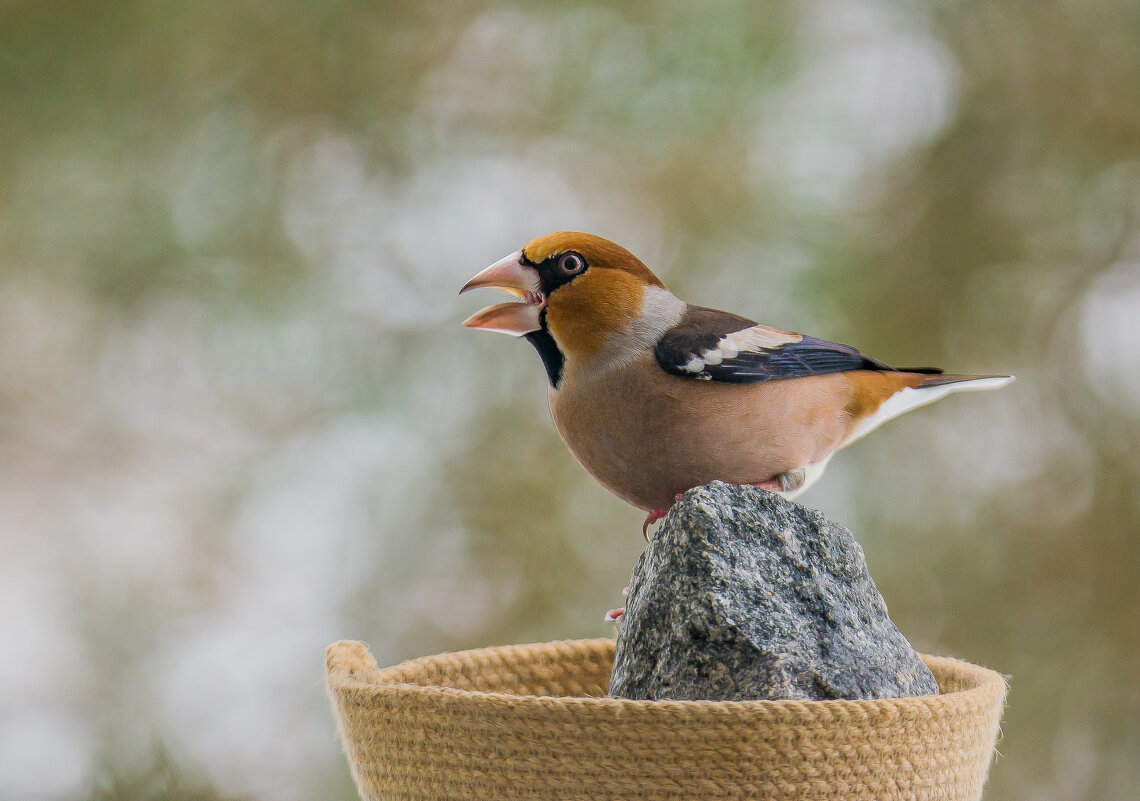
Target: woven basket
[{"x": 533, "y": 722}]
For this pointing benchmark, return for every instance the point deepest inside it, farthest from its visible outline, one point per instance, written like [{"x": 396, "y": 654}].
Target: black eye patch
[{"x": 559, "y": 270}]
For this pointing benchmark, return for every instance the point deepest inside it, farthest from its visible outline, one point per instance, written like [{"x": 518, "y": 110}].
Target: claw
[{"x": 651, "y": 518}]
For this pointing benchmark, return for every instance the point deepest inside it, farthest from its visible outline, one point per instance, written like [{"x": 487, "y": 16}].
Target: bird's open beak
[{"x": 513, "y": 275}]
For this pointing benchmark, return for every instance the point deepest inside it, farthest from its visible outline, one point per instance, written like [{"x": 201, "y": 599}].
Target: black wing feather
[{"x": 701, "y": 329}]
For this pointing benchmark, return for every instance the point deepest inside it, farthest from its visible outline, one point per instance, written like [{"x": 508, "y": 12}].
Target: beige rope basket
[{"x": 533, "y": 722}]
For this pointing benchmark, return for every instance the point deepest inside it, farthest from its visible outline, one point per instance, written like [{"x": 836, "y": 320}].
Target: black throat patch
[{"x": 552, "y": 358}]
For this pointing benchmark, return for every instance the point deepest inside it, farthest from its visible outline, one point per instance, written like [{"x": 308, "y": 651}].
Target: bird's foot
[
  {"x": 651, "y": 518},
  {"x": 614, "y": 615},
  {"x": 788, "y": 481},
  {"x": 792, "y": 480},
  {"x": 771, "y": 484}
]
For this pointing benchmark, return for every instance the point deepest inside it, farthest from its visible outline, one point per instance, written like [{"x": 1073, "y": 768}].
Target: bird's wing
[{"x": 718, "y": 346}]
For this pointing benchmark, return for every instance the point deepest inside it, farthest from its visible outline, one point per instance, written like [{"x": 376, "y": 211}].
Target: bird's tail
[
  {"x": 935, "y": 386},
  {"x": 967, "y": 382}
]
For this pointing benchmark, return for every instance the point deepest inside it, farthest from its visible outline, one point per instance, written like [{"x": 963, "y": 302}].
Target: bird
[{"x": 654, "y": 396}]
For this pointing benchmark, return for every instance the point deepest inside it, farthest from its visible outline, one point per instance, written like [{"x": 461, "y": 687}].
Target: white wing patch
[
  {"x": 760, "y": 337},
  {"x": 756, "y": 338},
  {"x": 907, "y": 399}
]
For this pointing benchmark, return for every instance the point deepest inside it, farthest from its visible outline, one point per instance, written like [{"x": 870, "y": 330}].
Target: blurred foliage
[
  {"x": 239, "y": 420},
  {"x": 158, "y": 780}
]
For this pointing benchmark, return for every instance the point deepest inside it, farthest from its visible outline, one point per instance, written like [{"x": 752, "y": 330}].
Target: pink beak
[{"x": 513, "y": 275}]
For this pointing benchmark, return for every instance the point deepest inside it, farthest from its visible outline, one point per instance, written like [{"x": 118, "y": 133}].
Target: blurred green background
[{"x": 239, "y": 418}]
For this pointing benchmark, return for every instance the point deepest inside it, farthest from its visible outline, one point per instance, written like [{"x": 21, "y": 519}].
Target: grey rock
[{"x": 744, "y": 595}]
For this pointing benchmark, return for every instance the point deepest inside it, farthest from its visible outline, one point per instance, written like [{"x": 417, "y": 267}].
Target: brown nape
[
  {"x": 597, "y": 252},
  {"x": 869, "y": 388}
]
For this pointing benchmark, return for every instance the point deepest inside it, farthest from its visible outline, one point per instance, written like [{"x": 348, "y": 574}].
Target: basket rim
[{"x": 350, "y": 666}]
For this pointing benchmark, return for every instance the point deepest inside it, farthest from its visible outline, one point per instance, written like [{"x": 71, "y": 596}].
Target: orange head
[{"x": 576, "y": 288}]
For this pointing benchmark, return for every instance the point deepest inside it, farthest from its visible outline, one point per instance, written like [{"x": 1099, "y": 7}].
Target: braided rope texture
[{"x": 534, "y": 722}]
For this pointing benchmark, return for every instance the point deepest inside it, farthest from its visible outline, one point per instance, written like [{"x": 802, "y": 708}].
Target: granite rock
[{"x": 744, "y": 595}]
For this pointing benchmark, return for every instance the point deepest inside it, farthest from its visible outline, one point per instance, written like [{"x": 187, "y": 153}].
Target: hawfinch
[{"x": 654, "y": 395}]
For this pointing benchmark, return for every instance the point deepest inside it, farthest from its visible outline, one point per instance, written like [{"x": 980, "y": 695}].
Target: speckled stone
[{"x": 744, "y": 595}]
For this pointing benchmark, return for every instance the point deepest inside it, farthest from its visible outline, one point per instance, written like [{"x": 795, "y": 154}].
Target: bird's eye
[{"x": 571, "y": 264}]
